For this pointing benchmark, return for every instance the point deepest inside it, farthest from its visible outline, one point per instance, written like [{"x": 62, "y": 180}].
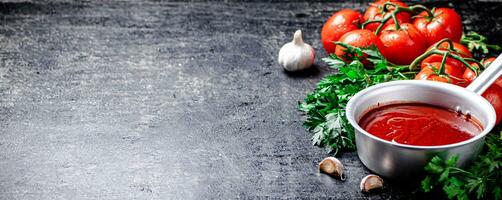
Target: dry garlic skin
[{"x": 332, "y": 167}]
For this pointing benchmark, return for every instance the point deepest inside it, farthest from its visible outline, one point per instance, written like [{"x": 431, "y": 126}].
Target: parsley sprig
[
  {"x": 325, "y": 106},
  {"x": 482, "y": 179},
  {"x": 478, "y": 42}
]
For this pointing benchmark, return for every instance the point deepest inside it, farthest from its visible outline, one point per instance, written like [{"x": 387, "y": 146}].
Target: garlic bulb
[{"x": 296, "y": 55}]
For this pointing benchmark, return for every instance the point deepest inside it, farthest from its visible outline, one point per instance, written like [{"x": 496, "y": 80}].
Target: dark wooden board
[{"x": 168, "y": 100}]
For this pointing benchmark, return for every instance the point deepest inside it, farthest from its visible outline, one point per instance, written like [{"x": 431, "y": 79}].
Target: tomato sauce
[{"x": 419, "y": 124}]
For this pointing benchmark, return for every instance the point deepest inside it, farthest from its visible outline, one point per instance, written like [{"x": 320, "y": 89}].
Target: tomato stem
[
  {"x": 417, "y": 8},
  {"x": 434, "y": 50},
  {"x": 456, "y": 57},
  {"x": 384, "y": 8},
  {"x": 412, "y": 9},
  {"x": 450, "y": 44},
  {"x": 443, "y": 62},
  {"x": 382, "y": 22},
  {"x": 387, "y": 18},
  {"x": 369, "y": 22},
  {"x": 420, "y": 58},
  {"x": 397, "y": 68},
  {"x": 398, "y": 27},
  {"x": 477, "y": 70},
  {"x": 447, "y": 77},
  {"x": 476, "y": 61},
  {"x": 463, "y": 61},
  {"x": 409, "y": 72},
  {"x": 447, "y": 53}
]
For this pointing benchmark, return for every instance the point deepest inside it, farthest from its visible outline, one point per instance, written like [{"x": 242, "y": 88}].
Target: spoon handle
[{"x": 489, "y": 75}]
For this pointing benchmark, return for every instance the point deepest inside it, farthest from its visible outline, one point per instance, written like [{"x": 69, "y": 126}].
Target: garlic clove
[
  {"x": 371, "y": 182},
  {"x": 332, "y": 167},
  {"x": 296, "y": 55}
]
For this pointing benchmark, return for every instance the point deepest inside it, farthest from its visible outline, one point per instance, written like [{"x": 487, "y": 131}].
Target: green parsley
[
  {"x": 325, "y": 106},
  {"x": 481, "y": 180},
  {"x": 477, "y": 42}
]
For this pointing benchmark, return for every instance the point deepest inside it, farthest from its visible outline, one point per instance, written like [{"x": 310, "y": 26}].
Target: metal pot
[{"x": 394, "y": 160}]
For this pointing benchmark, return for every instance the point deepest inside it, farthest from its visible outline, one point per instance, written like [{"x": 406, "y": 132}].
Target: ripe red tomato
[
  {"x": 446, "y": 23},
  {"x": 402, "y": 46},
  {"x": 375, "y": 12},
  {"x": 494, "y": 95},
  {"x": 428, "y": 72},
  {"x": 450, "y": 69},
  {"x": 460, "y": 48},
  {"x": 338, "y": 24},
  {"x": 458, "y": 67},
  {"x": 359, "y": 38},
  {"x": 486, "y": 62},
  {"x": 469, "y": 75}
]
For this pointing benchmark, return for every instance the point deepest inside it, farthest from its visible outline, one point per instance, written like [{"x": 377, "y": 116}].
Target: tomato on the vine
[
  {"x": 402, "y": 46},
  {"x": 452, "y": 70},
  {"x": 470, "y": 75},
  {"x": 445, "y": 23},
  {"x": 338, "y": 24},
  {"x": 486, "y": 62},
  {"x": 459, "y": 48},
  {"x": 432, "y": 71},
  {"x": 375, "y": 12},
  {"x": 457, "y": 67},
  {"x": 494, "y": 95},
  {"x": 429, "y": 73},
  {"x": 361, "y": 38}
]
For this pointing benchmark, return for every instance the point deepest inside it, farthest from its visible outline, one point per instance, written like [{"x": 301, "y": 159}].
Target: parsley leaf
[
  {"x": 325, "y": 106},
  {"x": 480, "y": 180}
]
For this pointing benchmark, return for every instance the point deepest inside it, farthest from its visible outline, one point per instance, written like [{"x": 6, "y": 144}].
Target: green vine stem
[
  {"x": 412, "y": 9},
  {"x": 436, "y": 51},
  {"x": 481, "y": 66},
  {"x": 420, "y": 58},
  {"x": 398, "y": 68},
  {"x": 417, "y": 8},
  {"x": 445, "y": 53},
  {"x": 393, "y": 14},
  {"x": 450, "y": 44},
  {"x": 398, "y": 26},
  {"x": 443, "y": 62},
  {"x": 447, "y": 77}
]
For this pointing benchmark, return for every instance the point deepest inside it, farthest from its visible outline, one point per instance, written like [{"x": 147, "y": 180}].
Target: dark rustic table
[{"x": 168, "y": 100}]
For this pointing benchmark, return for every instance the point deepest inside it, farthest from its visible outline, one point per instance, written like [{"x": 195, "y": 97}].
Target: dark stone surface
[{"x": 167, "y": 100}]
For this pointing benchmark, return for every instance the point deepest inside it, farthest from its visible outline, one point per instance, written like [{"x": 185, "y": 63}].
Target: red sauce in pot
[{"x": 419, "y": 124}]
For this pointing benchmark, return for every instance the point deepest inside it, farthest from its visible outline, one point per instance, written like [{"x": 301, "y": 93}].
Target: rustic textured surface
[{"x": 156, "y": 100}]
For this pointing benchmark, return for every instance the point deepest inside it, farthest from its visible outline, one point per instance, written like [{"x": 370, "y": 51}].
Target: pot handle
[{"x": 489, "y": 75}]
